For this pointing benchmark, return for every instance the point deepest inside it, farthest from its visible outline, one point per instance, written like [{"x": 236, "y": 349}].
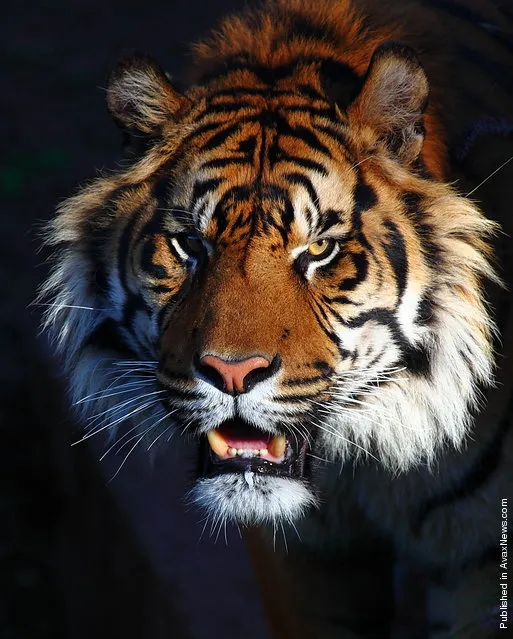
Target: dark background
[{"x": 79, "y": 556}]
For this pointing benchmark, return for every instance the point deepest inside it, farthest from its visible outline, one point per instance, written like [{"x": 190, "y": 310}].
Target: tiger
[{"x": 300, "y": 267}]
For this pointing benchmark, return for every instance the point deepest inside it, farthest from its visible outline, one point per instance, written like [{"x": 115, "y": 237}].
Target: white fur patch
[{"x": 263, "y": 500}]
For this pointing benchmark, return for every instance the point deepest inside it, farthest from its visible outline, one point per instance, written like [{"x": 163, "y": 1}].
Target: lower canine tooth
[
  {"x": 277, "y": 446},
  {"x": 263, "y": 452},
  {"x": 232, "y": 451},
  {"x": 217, "y": 443}
]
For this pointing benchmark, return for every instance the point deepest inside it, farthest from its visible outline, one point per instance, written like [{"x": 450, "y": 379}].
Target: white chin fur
[{"x": 252, "y": 500}]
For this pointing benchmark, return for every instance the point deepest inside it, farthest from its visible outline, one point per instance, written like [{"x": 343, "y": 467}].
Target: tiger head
[{"x": 280, "y": 274}]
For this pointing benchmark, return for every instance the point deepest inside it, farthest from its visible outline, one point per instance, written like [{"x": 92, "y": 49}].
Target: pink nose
[{"x": 233, "y": 374}]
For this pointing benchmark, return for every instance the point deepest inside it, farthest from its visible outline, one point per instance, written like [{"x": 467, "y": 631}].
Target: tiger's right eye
[{"x": 188, "y": 246}]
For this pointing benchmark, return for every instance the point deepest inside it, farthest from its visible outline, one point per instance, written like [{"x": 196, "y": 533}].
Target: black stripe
[
  {"x": 133, "y": 305},
  {"x": 302, "y": 26},
  {"x": 287, "y": 217},
  {"x": 334, "y": 338},
  {"x": 481, "y": 472},
  {"x": 323, "y": 366},
  {"x": 305, "y": 182},
  {"x": 176, "y": 393},
  {"x": 204, "y": 128},
  {"x": 364, "y": 198},
  {"x": 310, "y": 92},
  {"x": 160, "y": 289},
  {"x": 332, "y": 132},
  {"x": 299, "y": 381},
  {"x": 412, "y": 201},
  {"x": 125, "y": 243},
  {"x": 308, "y": 109},
  {"x": 220, "y": 137},
  {"x": 396, "y": 252},
  {"x": 296, "y": 399},
  {"x": 330, "y": 218},
  {"x": 106, "y": 337},
  {"x": 147, "y": 264},
  {"x": 307, "y": 136},
  {"x": 235, "y": 194},
  {"x": 425, "y": 311},
  {"x": 230, "y": 107},
  {"x": 340, "y": 299},
  {"x": 331, "y": 268},
  {"x": 241, "y": 92},
  {"x": 220, "y": 163},
  {"x": 203, "y": 187},
  {"x": 361, "y": 264},
  {"x": 417, "y": 359},
  {"x": 276, "y": 155},
  {"x": 269, "y": 76}
]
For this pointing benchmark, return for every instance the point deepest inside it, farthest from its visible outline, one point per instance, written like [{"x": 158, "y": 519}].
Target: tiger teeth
[
  {"x": 217, "y": 443},
  {"x": 251, "y": 452},
  {"x": 277, "y": 446}
]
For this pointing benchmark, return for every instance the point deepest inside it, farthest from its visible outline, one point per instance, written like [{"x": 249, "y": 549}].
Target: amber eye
[{"x": 321, "y": 248}]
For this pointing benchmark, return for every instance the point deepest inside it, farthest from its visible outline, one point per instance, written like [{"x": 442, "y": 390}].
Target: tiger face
[{"x": 276, "y": 277}]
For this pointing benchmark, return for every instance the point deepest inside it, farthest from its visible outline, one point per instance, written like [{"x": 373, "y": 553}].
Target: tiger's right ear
[{"x": 140, "y": 97}]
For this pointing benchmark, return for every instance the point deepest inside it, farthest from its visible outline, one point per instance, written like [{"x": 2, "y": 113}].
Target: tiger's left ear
[
  {"x": 392, "y": 100},
  {"x": 140, "y": 97}
]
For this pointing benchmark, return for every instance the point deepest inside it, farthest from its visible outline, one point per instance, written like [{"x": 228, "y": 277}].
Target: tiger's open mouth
[{"x": 237, "y": 447}]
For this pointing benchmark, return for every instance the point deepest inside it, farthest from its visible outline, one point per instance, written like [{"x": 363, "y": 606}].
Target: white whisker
[
  {"x": 328, "y": 461},
  {"x": 119, "y": 406},
  {"x": 336, "y": 434},
  {"x": 284, "y": 537},
  {"x": 111, "y": 424},
  {"x": 127, "y": 456},
  {"x": 58, "y": 307},
  {"x": 126, "y": 388},
  {"x": 160, "y": 435},
  {"x": 490, "y": 176},
  {"x": 144, "y": 433}
]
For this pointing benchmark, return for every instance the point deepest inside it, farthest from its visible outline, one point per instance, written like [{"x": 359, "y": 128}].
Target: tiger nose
[{"x": 235, "y": 377}]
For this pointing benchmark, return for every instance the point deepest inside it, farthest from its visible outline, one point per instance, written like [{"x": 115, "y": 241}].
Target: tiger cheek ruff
[{"x": 283, "y": 273}]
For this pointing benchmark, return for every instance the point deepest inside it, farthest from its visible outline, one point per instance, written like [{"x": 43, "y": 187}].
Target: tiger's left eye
[
  {"x": 192, "y": 244},
  {"x": 321, "y": 248}
]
